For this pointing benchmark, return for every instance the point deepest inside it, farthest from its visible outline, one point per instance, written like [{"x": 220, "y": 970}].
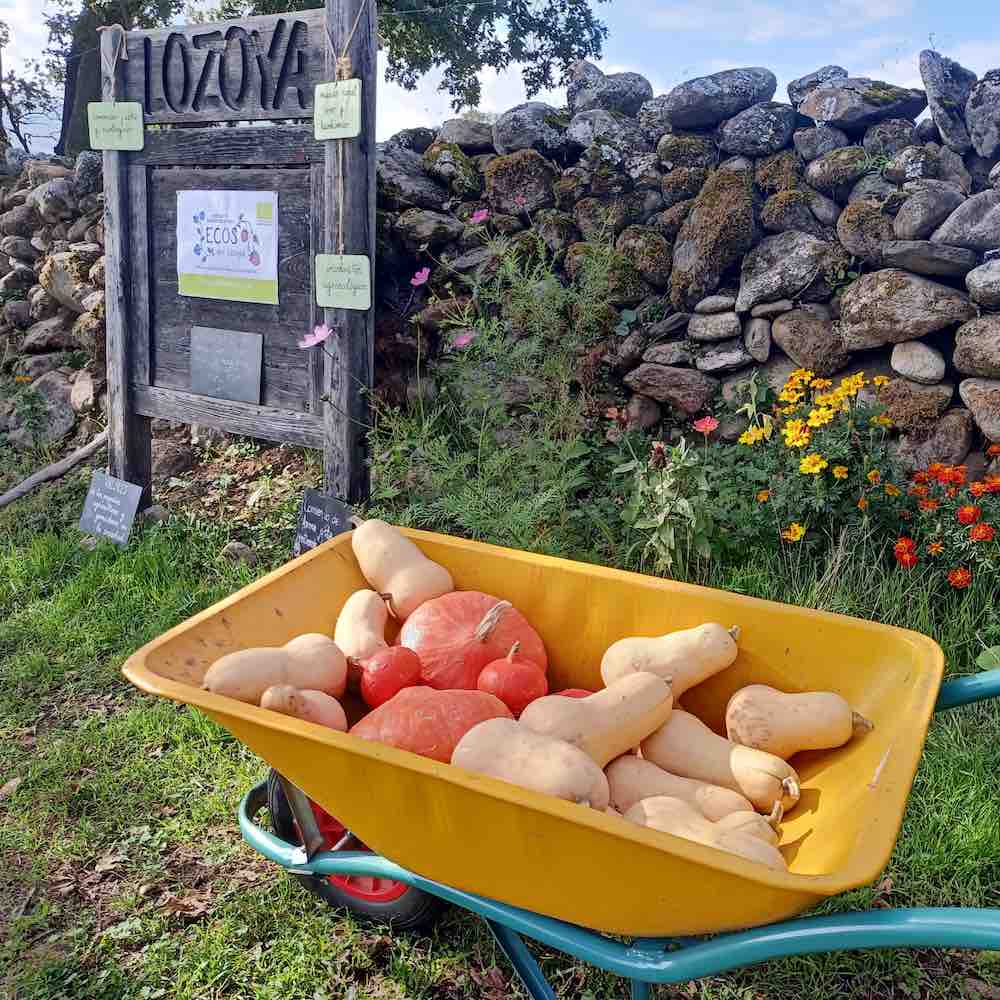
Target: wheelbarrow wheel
[{"x": 374, "y": 900}]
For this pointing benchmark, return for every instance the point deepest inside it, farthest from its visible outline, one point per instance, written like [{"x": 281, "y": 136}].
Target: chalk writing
[
  {"x": 115, "y": 125},
  {"x": 110, "y": 507},
  {"x": 343, "y": 281},
  {"x": 337, "y": 110}
]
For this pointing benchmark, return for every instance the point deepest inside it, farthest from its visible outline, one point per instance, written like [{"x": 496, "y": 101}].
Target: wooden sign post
[{"x": 279, "y": 184}]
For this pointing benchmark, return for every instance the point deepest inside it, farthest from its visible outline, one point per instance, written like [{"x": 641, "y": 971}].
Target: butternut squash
[
  {"x": 783, "y": 724},
  {"x": 394, "y": 566},
  {"x": 310, "y": 706},
  {"x": 671, "y": 815},
  {"x": 686, "y": 658},
  {"x": 505, "y": 749},
  {"x": 309, "y": 662},
  {"x": 606, "y": 724},
  {"x": 632, "y": 779},
  {"x": 360, "y": 628},
  {"x": 753, "y": 824},
  {"x": 684, "y": 745}
]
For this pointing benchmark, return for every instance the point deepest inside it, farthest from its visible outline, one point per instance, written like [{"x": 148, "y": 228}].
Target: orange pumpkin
[{"x": 515, "y": 681}]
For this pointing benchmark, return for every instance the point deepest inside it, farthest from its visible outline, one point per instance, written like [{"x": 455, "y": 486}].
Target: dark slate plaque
[
  {"x": 321, "y": 517},
  {"x": 226, "y": 364},
  {"x": 110, "y": 507}
]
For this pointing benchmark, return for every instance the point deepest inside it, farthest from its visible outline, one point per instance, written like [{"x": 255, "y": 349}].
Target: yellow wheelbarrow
[{"x": 539, "y": 866}]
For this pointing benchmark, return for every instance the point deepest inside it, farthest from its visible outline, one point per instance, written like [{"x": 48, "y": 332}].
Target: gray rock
[
  {"x": 716, "y": 326},
  {"x": 912, "y": 164},
  {"x": 724, "y": 356},
  {"x": 716, "y": 304},
  {"x": 671, "y": 325},
  {"x": 419, "y": 226},
  {"x": 520, "y": 182},
  {"x": 12, "y": 161},
  {"x": 913, "y": 406},
  {"x": 863, "y": 228},
  {"x": 768, "y": 310},
  {"x": 17, "y": 280},
  {"x": 975, "y": 224},
  {"x": 982, "y": 397},
  {"x": 88, "y": 173},
  {"x": 811, "y": 143},
  {"x": 686, "y": 390},
  {"x": 83, "y": 394},
  {"x": 48, "y": 335},
  {"x": 947, "y": 441},
  {"x": 787, "y": 210},
  {"x": 928, "y": 204},
  {"x": 983, "y": 284},
  {"x": 979, "y": 169},
  {"x": 42, "y": 304},
  {"x": 653, "y": 119},
  {"x": 927, "y": 131},
  {"x": 674, "y": 352},
  {"x": 800, "y": 89},
  {"x": 789, "y": 265},
  {"x": 948, "y": 86},
  {"x": 446, "y": 162},
  {"x": 402, "y": 182},
  {"x": 53, "y": 420},
  {"x": 238, "y": 552},
  {"x": 886, "y": 138},
  {"x": 685, "y": 149},
  {"x": 836, "y": 172},
  {"x": 918, "y": 362},
  {"x": 55, "y": 200},
  {"x": 890, "y": 306},
  {"x": 154, "y": 514},
  {"x": 17, "y": 314},
  {"x": 21, "y": 220},
  {"x": 533, "y": 125},
  {"x": 33, "y": 366},
  {"x": 873, "y": 187},
  {"x": 951, "y": 167},
  {"x": 469, "y": 135},
  {"x": 977, "y": 347},
  {"x": 708, "y": 100},
  {"x": 759, "y": 130},
  {"x": 925, "y": 257},
  {"x": 810, "y": 340},
  {"x": 597, "y": 124},
  {"x": 757, "y": 338},
  {"x": 19, "y": 248},
  {"x": 622, "y": 93},
  {"x": 643, "y": 412},
  {"x": 416, "y": 139},
  {"x": 857, "y": 102},
  {"x": 826, "y": 210},
  {"x": 994, "y": 175},
  {"x": 982, "y": 114},
  {"x": 643, "y": 169}
]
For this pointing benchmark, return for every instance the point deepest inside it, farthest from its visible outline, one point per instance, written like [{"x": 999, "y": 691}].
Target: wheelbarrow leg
[
  {"x": 512, "y": 945},
  {"x": 640, "y": 990}
]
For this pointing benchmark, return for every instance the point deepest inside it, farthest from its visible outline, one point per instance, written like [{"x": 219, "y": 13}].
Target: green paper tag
[
  {"x": 337, "y": 110},
  {"x": 343, "y": 281},
  {"x": 115, "y": 125}
]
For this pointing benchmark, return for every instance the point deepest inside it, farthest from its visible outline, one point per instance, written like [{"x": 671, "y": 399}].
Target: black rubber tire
[{"x": 412, "y": 910}]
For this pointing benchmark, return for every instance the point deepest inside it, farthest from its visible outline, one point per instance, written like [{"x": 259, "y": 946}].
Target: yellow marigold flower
[
  {"x": 874, "y": 477},
  {"x": 746, "y": 439},
  {"x": 821, "y": 383},
  {"x": 763, "y": 496},
  {"x": 892, "y": 491},
  {"x": 935, "y": 548},
  {"x": 813, "y": 463},
  {"x": 880, "y": 380},
  {"x": 790, "y": 395},
  {"x": 793, "y": 532},
  {"x": 787, "y": 411},
  {"x": 862, "y": 504},
  {"x": 801, "y": 375},
  {"x": 882, "y": 420},
  {"x": 820, "y": 416},
  {"x": 840, "y": 472}
]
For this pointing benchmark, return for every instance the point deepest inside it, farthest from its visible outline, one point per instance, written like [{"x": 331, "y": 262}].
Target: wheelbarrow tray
[{"x": 552, "y": 857}]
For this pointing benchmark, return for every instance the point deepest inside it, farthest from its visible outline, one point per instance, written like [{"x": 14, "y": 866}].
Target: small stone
[
  {"x": 88, "y": 173},
  {"x": 402, "y": 182},
  {"x": 687, "y": 390},
  {"x": 983, "y": 284},
  {"x": 47, "y": 335},
  {"x": 836, "y": 172},
  {"x": 643, "y": 412},
  {"x": 768, "y": 310},
  {"x": 716, "y": 304},
  {"x": 716, "y": 326},
  {"x": 994, "y": 175},
  {"x": 33, "y": 366},
  {"x": 924, "y": 257},
  {"x": 918, "y": 361},
  {"x": 725, "y": 356},
  {"x": 648, "y": 252},
  {"x": 238, "y": 552},
  {"x": 811, "y": 143},
  {"x": 873, "y": 187},
  {"x": 810, "y": 340},
  {"x": 54, "y": 419},
  {"x": 446, "y": 162},
  {"x": 469, "y": 135},
  {"x": 915, "y": 407},
  {"x": 682, "y": 184},
  {"x": 18, "y": 314},
  {"x": 155, "y": 514},
  {"x": 927, "y": 131},
  {"x": 757, "y": 338},
  {"x": 863, "y": 228},
  {"x": 928, "y": 203},
  {"x": 977, "y": 347},
  {"x": 948, "y": 441},
  {"x": 533, "y": 125},
  {"x": 420, "y": 226},
  {"x": 912, "y": 163},
  {"x": 888, "y": 137},
  {"x": 673, "y": 352},
  {"x": 982, "y": 397}
]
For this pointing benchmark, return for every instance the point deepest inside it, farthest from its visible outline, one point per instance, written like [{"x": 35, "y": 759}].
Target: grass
[{"x": 124, "y": 877}]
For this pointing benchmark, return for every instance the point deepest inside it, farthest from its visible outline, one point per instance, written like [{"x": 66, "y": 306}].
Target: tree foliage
[{"x": 544, "y": 37}]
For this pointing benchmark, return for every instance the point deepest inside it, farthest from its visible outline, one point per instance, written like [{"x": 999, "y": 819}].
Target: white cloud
[
  {"x": 904, "y": 70},
  {"x": 28, "y": 34}
]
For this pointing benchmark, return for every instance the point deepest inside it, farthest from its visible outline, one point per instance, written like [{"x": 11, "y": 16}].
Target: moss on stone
[
  {"x": 682, "y": 183},
  {"x": 668, "y": 223},
  {"x": 525, "y": 174},
  {"x": 446, "y": 162},
  {"x": 884, "y": 93},
  {"x": 648, "y": 251},
  {"x": 779, "y": 172},
  {"x": 679, "y": 150}
]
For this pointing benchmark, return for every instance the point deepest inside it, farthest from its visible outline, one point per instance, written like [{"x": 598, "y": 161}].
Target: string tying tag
[
  {"x": 345, "y": 68},
  {"x": 120, "y": 51}
]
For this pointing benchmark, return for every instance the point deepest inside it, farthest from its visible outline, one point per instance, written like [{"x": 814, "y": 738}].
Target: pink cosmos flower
[
  {"x": 464, "y": 339},
  {"x": 520, "y": 201},
  {"x": 705, "y": 425},
  {"x": 319, "y": 334},
  {"x": 420, "y": 278},
  {"x": 479, "y": 216}
]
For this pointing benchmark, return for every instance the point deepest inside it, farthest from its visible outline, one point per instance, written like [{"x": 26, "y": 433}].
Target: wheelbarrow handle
[{"x": 966, "y": 690}]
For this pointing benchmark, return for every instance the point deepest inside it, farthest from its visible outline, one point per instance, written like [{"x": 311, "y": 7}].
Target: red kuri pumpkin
[{"x": 514, "y": 680}]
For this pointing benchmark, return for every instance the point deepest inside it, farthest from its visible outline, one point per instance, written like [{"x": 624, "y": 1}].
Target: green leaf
[{"x": 989, "y": 659}]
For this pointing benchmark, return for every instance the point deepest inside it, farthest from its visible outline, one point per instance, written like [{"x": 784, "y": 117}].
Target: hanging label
[
  {"x": 115, "y": 125},
  {"x": 337, "y": 110},
  {"x": 343, "y": 281}
]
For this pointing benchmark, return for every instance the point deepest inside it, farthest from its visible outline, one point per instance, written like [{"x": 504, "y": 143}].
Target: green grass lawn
[{"x": 121, "y": 868}]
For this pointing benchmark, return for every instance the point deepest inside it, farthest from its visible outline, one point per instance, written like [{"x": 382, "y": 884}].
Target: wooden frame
[{"x": 190, "y": 79}]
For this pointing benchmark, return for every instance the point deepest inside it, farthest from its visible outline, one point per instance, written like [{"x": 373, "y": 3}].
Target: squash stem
[
  {"x": 777, "y": 813},
  {"x": 861, "y": 723},
  {"x": 791, "y": 788},
  {"x": 734, "y": 631},
  {"x": 388, "y": 605},
  {"x": 513, "y": 651},
  {"x": 491, "y": 619}
]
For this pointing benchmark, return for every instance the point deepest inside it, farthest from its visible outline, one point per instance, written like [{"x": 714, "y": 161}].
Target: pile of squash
[{"x": 465, "y": 683}]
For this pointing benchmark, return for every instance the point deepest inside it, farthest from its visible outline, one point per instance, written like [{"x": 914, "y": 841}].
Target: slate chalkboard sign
[
  {"x": 110, "y": 507},
  {"x": 226, "y": 364},
  {"x": 321, "y": 517}
]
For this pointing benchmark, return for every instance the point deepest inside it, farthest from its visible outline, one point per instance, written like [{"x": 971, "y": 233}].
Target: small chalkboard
[
  {"x": 110, "y": 507},
  {"x": 321, "y": 517},
  {"x": 226, "y": 364}
]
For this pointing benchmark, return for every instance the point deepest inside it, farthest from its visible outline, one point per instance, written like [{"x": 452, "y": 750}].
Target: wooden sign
[
  {"x": 115, "y": 125},
  {"x": 337, "y": 110},
  {"x": 343, "y": 281},
  {"x": 321, "y": 517},
  {"x": 226, "y": 364},
  {"x": 110, "y": 508}
]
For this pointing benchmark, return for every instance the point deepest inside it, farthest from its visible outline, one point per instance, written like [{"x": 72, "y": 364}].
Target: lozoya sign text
[{"x": 258, "y": 67}]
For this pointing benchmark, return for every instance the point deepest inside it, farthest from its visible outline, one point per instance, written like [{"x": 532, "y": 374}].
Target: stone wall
[{"x": 833, "y": 232}]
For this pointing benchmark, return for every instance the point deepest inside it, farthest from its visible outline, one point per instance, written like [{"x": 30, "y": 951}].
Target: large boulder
[
  {"x": 982, "y": 114},
  {"x": 53, "y": 418},
  {"x": 683, "y": 388},
  {"x": 789, "y": 265},
  {"x": 857, "y": 102},
  {"x": 533, "y": 125},
  {"x": 800, "y": 89},
  {"x": 975, "y": 224},
  {"x": 446, "y": 162},
  {"x": 811, "y": 143},
  {"x": 925, "y": 257},
  {"x": 836, "y": 172},
  {"x": 928, "y": 203},
  {"x": 983, "y": 284},
  {"x": 402, "y": 182},
  {"x": 977, "y": 347},
  {"x": 863, "y": 228},
  {"x": 623, "y": 93},
  {"x": 64, "y": 276},
  {"x": 421, "y": 226},
  {"x": 52, "y": 334},
  {"x": 708, "y": 100},
  {"x": 415, "y": 139},
  {"x": 917, "y": 361},
  {"x": 606, "y": 127},
  {"x": 759, "y": 130},
  {"x": 810, "y": 340},
  {"x": 948, "y": 86},
  {"x": 886, "y": 138},
  {"x": 890, "y": 306},
  {"x": 469, "y": 135},
  {"x": 520, "y": 182},
  {"x": 718, "y": 230},
  {"x": 946, "y": 440},
  {"x": 982, "y": 397}
]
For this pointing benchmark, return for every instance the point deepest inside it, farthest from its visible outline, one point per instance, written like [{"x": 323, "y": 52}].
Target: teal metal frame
[{"x": 646, "y": 961}]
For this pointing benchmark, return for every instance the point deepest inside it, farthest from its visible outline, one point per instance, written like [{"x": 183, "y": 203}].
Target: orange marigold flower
[
  {"x": 793, "y": 532},
  {"x": 959, "y": 577},
  {"x": 919, "y": 490},
  {"x": 892, "y": 491},
  {"x": 840, "y": 472},
  {"x": 992, "y": 483},
  {"x": 874, "y": 477},
  {"x": 935, "y": 469},
  {"x": 904, "y": 544},
  {"x": 969, "y": 514},
  {"x": 993, "y": 450},
  {"x": 928, "y": 506},
  {"x": 921, "y": 477},
  {"x": 982, "y": 532},
  {"x": 907, "y": 559},
  {"x": 978, "y": 489},
  {"x": 862, "y": 504},
  {"x": 763, "y": 496},
  {"x": 957, "y": 474},
  {"x": 935, "y": 548}
]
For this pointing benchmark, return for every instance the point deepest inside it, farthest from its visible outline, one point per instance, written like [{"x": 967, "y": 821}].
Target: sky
[{"x": 669, "y": 42}]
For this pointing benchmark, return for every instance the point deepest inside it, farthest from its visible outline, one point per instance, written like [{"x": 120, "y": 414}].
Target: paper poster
[
  {"x": 337, "y": 110},
  {"x": 227, "y": 245},
  {"x": 343, "y": 281},
  {"x": 115, "y": 125}
]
